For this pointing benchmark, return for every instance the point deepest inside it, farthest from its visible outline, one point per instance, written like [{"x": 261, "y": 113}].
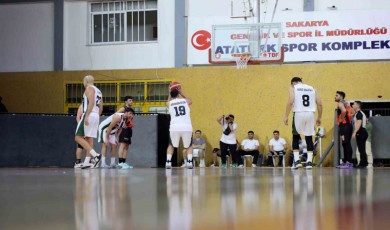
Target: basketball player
[
  {"x": 89, "y": 123},
  {"x": 126, "y": 133},
  {"x": 304, "y": 99},
  {"x": 180, "y": 126},
  {"x": 344, "y": 121},
  {"x": 79, "y": 150},
  {"x": 108, "y": 130}
]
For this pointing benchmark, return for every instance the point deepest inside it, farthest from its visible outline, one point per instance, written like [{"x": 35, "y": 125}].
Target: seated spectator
[
  {"x": 249, "y": 146},
  {"x": 277, "y": 147},
  {"x": 199, "y": 147}
]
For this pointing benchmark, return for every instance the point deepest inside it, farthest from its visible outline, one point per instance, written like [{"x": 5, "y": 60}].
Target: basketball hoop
[{"x": 242, "y": 60}]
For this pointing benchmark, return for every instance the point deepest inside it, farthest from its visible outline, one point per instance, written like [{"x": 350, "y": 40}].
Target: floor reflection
[
  {"x": 101, "y": 200},
  {"x": 206, "y": 198}
]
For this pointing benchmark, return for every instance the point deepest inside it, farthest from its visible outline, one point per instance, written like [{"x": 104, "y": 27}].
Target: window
[
  {"x": 126, "y": 21},
  {"x": 148, "y": 95}
]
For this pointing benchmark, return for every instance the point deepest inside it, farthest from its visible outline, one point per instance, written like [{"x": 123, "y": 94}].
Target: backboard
[
  {"x": 241, "y": 8},
  {"x": 262, "y": 40}
]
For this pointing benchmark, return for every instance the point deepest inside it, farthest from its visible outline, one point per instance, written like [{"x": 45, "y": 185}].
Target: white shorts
[
  {"x": 185, "y": 135},
  {"x": 195, "y": 153},
  {"x": 304, "y": 124},
  {"x": 90, "y": 130},
  {"x": 102, "y": 137}
]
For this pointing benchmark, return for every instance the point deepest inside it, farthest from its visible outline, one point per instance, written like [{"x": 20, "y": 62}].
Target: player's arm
[
  {"x": 90, "y": 93},
  {"x": 115, "y": 120},
  {"x": 118, "y": 134},
  {"x": 319, "y": 109},
  {"x": 189, "y": 101},
  {"x": 169, "y": 96},
  {"x": 343, "y": 110},
  {"x": 290, "y": 102},
  {"x": 79, "y": 113},
  {"x": 101, "y": 107}
]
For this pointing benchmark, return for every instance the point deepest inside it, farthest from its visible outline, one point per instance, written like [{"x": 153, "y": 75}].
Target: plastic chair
[
  {"x": 283, "y": 161},
  {"x": 245, "y": 157}
]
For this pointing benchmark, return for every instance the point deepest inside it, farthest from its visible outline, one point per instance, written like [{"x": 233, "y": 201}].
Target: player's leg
[
  {"x": 347, "y": 145},
  {"x": 174, "y": 143},
  {"x": 90, "y": 132},
  {"x": 121, "y": 141},
  {"x": 170, "y": 149},
  {"x": 113, "y": 155},
  {"x": 79, "y": 155},
  {"x": 187, "y": 143},
  {"x": 127, "y": 142},
  {"x": 184, "y": 158},
  {"x": 295, "y": 144},
  {"x": 101, "y": 139},
  {"x": 309, "y": 132},
  {"x": 113, "y": 151},
  {"x": 310, "y": 149}
]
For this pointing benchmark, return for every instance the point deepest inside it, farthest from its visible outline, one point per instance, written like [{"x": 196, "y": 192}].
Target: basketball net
[{"x": 242, "y": 60}]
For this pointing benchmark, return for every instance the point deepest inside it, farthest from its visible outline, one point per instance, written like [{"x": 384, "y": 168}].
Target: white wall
[
  {"x": 216, "y": 8},
  {"x": 80, "y": 55},
  {"x": 321, "y": 5},
  {"x": 26, "y": 37}
]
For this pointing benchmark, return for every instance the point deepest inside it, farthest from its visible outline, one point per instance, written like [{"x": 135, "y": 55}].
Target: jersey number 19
[{"x": 180, "y": 110}]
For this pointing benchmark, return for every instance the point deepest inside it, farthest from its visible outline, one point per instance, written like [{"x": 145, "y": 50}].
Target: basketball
[{"x": 175, "y": 86}]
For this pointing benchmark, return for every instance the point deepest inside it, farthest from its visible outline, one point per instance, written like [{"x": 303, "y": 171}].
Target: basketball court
[
  {"x": 202, "y": 198},
  {"x": 138, "y": 48}
]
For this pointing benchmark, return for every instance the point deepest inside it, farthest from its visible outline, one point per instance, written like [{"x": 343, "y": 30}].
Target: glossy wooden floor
[{"x": 206, "y": 198}]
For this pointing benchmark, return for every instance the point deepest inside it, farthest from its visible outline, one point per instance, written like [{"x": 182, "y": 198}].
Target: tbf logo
[{"x": 201, "y": 40}]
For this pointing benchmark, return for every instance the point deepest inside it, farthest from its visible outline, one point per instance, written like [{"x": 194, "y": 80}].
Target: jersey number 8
[{"x": 305, "y": 100}]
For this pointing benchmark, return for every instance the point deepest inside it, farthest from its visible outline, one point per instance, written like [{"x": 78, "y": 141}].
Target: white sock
[
  {"x": 86, "y": 161},
  {"x": 169, "y": 157},
  {"x": 309, "y": 156},
  {"x": 93, "y": 153},
  {"x": 112, "y": 161},
  {"x": 103, "y": 160},
  {"x": 296, "y": 155},
  {"x": 185, "y": 161},
  {"x": 189, "y": 157}
]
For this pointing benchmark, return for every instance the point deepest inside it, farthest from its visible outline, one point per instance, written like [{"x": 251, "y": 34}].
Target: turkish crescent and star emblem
[{"x": 201, "y": 40}]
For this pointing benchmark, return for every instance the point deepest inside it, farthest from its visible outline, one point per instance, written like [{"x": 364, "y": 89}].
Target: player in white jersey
[
  {"x": 88, "y": 126},
  {"x": 180, "y": 126},
  {"x": 108, "y": 134},
  {"x": 304, "y": 99}
]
